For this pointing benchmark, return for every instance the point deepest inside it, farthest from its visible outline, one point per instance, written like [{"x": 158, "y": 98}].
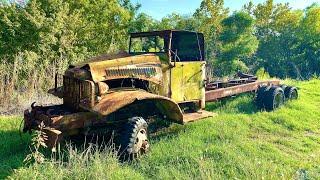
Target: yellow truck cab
[{"x": 182, "y": 61}]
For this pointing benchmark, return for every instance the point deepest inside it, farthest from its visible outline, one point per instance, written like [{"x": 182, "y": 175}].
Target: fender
[{"x": 116, "y": 100}]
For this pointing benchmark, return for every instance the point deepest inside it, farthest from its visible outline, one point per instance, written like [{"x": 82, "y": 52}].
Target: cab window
[
  {"x": 147, "y": 44},
  {"x": 188, "y": 46}
]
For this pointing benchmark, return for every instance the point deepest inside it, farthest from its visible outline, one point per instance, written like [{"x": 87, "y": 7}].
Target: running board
[{"x": 202, "y": 114}]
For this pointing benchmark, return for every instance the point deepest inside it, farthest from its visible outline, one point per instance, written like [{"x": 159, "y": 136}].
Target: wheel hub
[
  {"x": 294, "y": 95},
  {"x": 278, "y": 100},
  {"x": 141, "y": 144}
]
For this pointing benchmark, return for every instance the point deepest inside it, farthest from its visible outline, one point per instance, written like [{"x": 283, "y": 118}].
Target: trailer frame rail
[{"x": 216, "y": 94}]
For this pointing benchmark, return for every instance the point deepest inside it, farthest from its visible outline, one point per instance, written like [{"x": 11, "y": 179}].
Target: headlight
[{"x": 103, "y": 88}]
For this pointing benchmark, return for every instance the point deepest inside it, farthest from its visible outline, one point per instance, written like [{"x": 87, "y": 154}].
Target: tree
[
  {"x": 249, "y": 8},
  {"x": 176, "y": 21},
  {"x": 142, "y": 23},
  {"x": 238, "y": 43},
  {"x": 209, "y": 17},
  {"x": 276, "y": 27},
  {"x": 43, "y": 37},
  {"x": 309, "y": 38},
  {"x": 105, "y": 23}
]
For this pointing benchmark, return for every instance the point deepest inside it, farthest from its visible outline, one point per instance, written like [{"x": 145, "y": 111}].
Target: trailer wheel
[
  {"x": 291, "y": 93},
  {"x": 283, "y": 87},
  {"x": 274, "y": 98},
  {"x": 134, "y": 139},
  {"x": 260, "y": 94}
]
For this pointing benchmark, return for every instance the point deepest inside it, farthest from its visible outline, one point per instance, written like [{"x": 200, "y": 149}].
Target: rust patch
[
  {"x": 104, "y": 57},
  {"x": 117, "y": 100},
  {"x": 103, "y": 88},
  {"x": 213, "y": 95},
  {"x": 74, "y": 121},
  {"x": 98, "y": 69},
  {"x": 191, "y": 117},
  {"x": 54, "y": 137}
]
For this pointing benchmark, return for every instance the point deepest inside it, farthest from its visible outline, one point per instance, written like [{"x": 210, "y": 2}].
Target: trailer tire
[
  {"x": 283, "y": 87},
  {"x": 260, "y": 95},
  {"x": 134, "y": 138},
  {"x": 291, "y": 93},
  {"x": 274, "y": 98}
]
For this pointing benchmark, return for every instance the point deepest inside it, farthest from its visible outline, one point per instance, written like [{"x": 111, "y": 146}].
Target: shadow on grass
[
  {"x": 164, "y": 129},
  {"x": 13, "y": 151},
  {"x": 243, "y": 104}
]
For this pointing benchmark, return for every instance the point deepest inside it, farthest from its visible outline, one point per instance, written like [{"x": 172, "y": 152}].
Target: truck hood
[{"x": 123, "y": 65}]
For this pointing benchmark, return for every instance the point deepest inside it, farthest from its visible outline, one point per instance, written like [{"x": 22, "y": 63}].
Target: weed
[{"x": 38, "y": 142}]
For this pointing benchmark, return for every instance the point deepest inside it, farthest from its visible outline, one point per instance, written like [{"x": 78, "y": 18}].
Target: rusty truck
[{"x": 163, "y": 74}]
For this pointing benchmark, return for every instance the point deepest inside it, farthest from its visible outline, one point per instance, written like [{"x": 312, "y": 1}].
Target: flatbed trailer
[
  {"x": 235, "y": 87},
  {"x": 217, "y": 90}
]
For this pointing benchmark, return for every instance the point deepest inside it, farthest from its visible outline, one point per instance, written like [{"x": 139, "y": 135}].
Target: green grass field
[{"x": 240, "y": 143}]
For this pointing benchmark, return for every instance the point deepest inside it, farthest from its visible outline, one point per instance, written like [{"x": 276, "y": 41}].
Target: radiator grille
[
  {"x": 76, "y": 92},
  {"x": 130, "y": 72}
]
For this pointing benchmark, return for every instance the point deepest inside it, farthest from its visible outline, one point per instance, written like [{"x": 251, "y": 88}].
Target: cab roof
[{"x": 160, "y": 33}]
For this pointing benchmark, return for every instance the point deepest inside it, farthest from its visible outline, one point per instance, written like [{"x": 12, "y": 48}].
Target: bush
[{"x": 262, "y": 74}]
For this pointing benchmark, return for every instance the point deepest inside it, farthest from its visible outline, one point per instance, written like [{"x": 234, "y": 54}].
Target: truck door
[
  {"x": 187, "y": 81},
  {"x": 188, "y": 74}
]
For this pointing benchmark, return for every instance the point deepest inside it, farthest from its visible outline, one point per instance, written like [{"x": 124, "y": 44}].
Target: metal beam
[{"x": 216, "y": 94}]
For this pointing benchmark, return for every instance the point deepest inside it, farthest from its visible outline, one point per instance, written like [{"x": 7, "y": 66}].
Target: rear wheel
[
  {"x": 274, "y": 98},
  {"x": 134, "y": 138},
  {"x": 291, "y": 93},
  {"x": 283, "y": 87},
  {"x": 260, "y": 96}
]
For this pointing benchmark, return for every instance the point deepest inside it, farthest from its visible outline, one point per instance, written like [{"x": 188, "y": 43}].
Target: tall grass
[
  {"x": 95, "y": 161},
  {"x": 23, "y": 80}
]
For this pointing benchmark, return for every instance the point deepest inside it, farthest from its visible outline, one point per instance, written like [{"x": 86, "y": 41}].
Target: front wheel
[{"x": 134, "y": 138}]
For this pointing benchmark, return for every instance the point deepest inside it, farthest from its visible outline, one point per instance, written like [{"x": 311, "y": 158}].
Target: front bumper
[
  {"x": 33, "y": 119},
  {"x": 37, "y": 115}
]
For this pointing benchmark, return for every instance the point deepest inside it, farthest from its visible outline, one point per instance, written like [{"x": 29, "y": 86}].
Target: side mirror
[{"x": 175, "y": 57}]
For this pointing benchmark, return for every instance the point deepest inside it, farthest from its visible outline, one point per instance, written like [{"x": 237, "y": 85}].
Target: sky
[{"x": 160, "y": 8}]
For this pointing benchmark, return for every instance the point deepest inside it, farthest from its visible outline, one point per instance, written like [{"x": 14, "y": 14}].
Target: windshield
[{"x": 147, "y": 44}]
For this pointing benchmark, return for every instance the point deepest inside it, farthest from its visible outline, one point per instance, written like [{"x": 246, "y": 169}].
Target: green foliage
[
  {"x": 39, "y": 38},
  {"x": 63, "y": 32},
  {"x": 176, "y": 21},
  {"x": 42, "y": 38},
  {"x": 209, "y": 17},
  {"x": 285, "y": 45},
  {"x": 239, "y": 143},
  {"x": 262, "y": 74},
  {"x": 238, "y": 43},
  {"x": 14, "y": 148},
  {"x": 309, "y": 37},
  {"x": 142, "y": 23},
  {"x": 93, "y": 162},
  {"x": 38, "y": 141}
]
